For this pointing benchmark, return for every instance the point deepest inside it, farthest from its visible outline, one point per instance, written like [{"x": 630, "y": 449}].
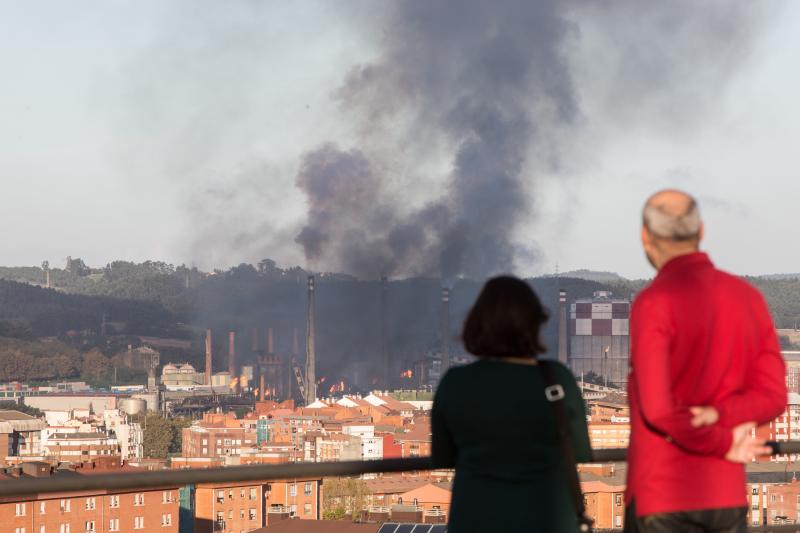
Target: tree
[
  {"x": 95, "y": 365},
  {"x": 344, "y": 496},
  {"x": 158, "y": 436}
]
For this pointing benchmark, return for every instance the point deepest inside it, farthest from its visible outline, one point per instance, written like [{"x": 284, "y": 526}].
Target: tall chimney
[
  {"x": 562, "y": 327},
  {"x": 384, "y": 332},
  {"x": 311, "y": 348},
  {"x": 270, "y": 341},
  {"x": 232, "y": 356},
  {"x": 254, "y": 341},
  {"x": 208, "y": 357},
  {"x": 445, "y": 326},
  {"x": 261, "y": 385}
]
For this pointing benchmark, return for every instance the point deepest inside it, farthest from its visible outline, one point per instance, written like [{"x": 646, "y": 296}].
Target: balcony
[{"x": 260, "y": 473}]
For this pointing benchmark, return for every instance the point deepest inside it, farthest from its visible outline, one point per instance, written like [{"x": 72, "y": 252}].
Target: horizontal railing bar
[
  {"x": 171, "y": 478},
  {"x": 177, "y": 478}
]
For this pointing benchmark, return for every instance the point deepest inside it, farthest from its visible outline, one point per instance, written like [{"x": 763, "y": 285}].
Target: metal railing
[{"x": 176, "y": 478}]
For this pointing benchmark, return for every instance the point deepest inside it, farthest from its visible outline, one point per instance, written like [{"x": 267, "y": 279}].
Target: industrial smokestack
[
  {"x": 232, "y": 357},
  {"x": 208, "y": 357},
  {"x": 445, "y": 326},
  {"x": 562, "y": 327},
  {"x": 270, "y": 341},
  {"x": 384, "y": 333},
  {"x": 311, "y": 349},
  {"x": 254, "y": 341}
]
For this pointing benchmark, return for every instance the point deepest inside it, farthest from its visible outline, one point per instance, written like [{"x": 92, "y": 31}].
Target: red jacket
[{"x": 699, "y": 336}]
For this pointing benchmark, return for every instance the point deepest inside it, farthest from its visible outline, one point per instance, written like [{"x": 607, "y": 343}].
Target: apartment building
[
  {"x": 91, "y": 511},
  {"x": 217, "y": 436},
  {"x": 228, "y": 507},
  {"x": 296, "y": 498}
]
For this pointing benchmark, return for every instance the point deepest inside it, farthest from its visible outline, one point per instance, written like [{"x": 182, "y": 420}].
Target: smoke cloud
[
  {"x": 428, "y": 155},
  {"x": 491, "y": 88}
]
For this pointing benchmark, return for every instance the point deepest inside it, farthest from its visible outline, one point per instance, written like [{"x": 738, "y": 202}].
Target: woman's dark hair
[{"x": 505, "y": 320}]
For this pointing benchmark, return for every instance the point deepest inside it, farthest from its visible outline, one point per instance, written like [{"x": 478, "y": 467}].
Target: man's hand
[
  {"x": 704, "y": 416},
  {"x": 744, "y": 447}
]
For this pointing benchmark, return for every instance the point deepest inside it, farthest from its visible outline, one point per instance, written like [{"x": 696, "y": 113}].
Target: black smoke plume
[{"x": 491, "y": 90}]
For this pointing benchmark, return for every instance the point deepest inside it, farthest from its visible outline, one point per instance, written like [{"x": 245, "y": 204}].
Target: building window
[
  {"x": 252, "y": 514},
  {"x": 113, "y": 524},
  {"x": 293, "y": 489},
  {"x": 253, "y": 494},
  {"x": 19, "y": 509},
  {"x": 307, "y": 488},
  {"x": 90, "y": 504},
  {"x": 113, "y": 501},
  {"x": 307, "y": 509}
]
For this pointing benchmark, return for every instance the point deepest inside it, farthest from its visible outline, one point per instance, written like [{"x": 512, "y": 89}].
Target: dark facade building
[{"x": 599, "y": 339}]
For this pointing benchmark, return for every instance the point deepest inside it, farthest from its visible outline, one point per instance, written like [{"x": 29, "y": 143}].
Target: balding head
[
  {"x": 671, "y": 226},
  {"x": 672, "y": 215}
]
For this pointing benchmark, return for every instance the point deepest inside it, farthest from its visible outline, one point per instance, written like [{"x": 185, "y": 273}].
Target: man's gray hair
[{"x": 681, "y": 227}]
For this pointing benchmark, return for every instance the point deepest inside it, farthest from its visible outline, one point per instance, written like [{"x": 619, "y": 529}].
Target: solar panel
[
  {"x": 421, "y": 528},
  {"x": 404, "y": 528},
  {"x": 388, "y": 527},
  {"x": 440, "y": 528}
]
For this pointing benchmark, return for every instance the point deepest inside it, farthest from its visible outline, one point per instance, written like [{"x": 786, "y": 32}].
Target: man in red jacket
[{"x": 706, "y": 368}]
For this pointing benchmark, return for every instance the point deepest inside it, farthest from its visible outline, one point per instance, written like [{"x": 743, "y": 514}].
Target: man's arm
[
  {"x": 764, "y": 395},
  {"x": 651, "y": 333}
]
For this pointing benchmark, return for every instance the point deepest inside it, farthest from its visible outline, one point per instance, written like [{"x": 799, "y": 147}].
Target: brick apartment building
[
  {"x": 217, "y": 436},
  {"x": 92, "y": 511},
  {"x": 242, "y": 507},
  {"x": 783, "y": 428},
  {"x": 297, "y": 498},
  {"x": 603, "y": 487}
]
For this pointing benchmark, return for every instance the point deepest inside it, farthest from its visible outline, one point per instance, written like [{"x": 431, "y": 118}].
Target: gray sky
[{"x": 142, "y": 130}]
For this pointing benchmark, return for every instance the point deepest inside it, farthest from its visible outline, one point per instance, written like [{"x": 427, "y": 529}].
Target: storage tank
[
  {"x": 150, "y": 399},
  {"x": 133, "y": 406}
]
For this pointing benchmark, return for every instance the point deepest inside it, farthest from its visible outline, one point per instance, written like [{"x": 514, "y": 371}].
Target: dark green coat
[{"x": 492, "y": 422}]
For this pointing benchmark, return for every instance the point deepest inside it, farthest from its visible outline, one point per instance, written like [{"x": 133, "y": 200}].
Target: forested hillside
[{"x": 158, "y": 299}]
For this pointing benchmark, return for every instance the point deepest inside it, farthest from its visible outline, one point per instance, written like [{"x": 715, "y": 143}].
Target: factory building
[{"x": 599, "y": 339}]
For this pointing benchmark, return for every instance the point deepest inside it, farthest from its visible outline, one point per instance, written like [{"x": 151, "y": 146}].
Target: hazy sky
[{"x": 144, "y": 129}]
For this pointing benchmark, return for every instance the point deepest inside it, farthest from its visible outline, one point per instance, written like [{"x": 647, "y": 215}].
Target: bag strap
[{"x": 554, "y": 392}]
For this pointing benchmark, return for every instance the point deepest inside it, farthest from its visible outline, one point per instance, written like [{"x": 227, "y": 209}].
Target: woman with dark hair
[{"x": 492, "y": 421}]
